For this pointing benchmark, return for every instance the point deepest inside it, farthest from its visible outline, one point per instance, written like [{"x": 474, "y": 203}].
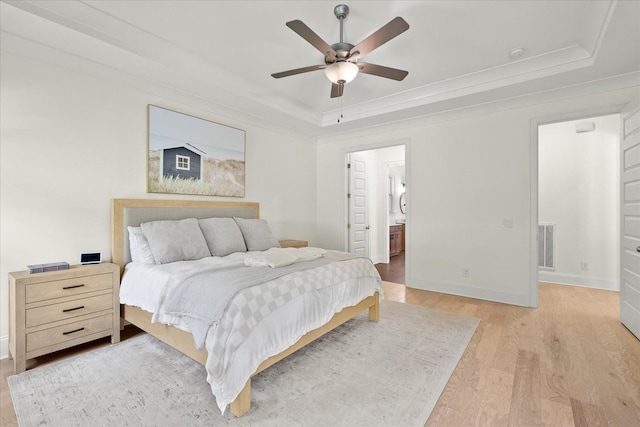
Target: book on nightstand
[{"x": 52, "y": 266}]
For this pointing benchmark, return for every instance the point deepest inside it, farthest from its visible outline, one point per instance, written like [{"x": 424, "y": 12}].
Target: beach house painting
[{"x": 188, "y": 155}]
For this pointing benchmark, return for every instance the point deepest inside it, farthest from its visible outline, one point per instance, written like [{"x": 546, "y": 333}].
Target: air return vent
[{"x": 547, "y": 246}]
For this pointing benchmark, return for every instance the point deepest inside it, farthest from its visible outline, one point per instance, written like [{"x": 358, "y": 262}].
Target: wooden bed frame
[{"x": 134, "y": 211}]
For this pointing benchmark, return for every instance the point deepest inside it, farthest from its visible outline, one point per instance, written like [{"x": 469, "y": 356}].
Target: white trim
[
  {"x": 408, "y": 275},
  {"x": 4, "y": 347},
  {"x": 582, "y": 281},
  {"x": 344, "y": 152},
  {"x": 471, "y": 291},
  {"x": 533, "y": 214},
  {"x": 378, "y": 259},
  {"x": 426, "y": 116},
  {"x": 385, "y": 173},
  {"x": 182, "y": 157},
  {"x": 537, "y": 67},
  {"x": 533, "y": 172}
]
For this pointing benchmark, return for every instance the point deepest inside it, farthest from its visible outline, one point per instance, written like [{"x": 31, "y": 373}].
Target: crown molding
[{"x": 626, "y": 81}]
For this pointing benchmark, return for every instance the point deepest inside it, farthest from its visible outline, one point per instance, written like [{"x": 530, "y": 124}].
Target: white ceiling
[{"x": 220, "y": 54}]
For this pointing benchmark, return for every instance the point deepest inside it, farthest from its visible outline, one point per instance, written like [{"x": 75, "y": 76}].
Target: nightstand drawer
[
  {"x": 68, "y": 332},
  {"x": 66, "y": 310},
  {"x": 67, "y": 287}
]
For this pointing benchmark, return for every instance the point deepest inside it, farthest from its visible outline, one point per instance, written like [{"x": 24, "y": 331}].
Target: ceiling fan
[{"x": 341, "y": 59}]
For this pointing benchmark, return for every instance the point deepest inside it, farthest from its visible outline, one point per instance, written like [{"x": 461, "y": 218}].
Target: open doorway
[
  {"x": 376, "y": 220},
  {"x": 579, "y": 202}
]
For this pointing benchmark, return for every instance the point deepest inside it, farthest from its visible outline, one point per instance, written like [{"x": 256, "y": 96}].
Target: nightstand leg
[{"x": 19, "y": 364}]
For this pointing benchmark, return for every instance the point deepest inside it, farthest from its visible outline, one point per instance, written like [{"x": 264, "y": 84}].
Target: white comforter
[
  {"x": 240, "y": 342},
  {"x": 281, "y": 257}
]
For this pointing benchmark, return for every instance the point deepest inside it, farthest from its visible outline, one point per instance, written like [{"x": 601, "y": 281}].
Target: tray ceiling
[{"x": 222, "y": 53}]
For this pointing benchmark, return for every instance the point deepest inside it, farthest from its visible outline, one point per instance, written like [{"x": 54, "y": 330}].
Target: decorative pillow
[
  {"x": 257, "y": 234},
  {"x": 139, "y": 246},
  {"x": 171, "y": 241},
  {"x": 222, "y": 235}
]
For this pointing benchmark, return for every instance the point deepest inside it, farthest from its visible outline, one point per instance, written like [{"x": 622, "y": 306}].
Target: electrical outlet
[
  {"x": 465, "y": 272},
  {"x": 584, "y": 265}
]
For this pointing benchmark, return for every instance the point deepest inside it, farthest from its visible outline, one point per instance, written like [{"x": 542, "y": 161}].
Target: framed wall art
[{"x": 188, "y": 155}]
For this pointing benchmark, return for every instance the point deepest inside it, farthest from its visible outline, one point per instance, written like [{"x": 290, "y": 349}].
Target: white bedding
[
  {"x": 229, "y": 366},
  {"x": 281, "y": 257}
]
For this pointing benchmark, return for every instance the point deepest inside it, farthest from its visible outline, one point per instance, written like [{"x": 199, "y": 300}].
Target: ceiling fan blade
[
  {"x": 298, "y": 71},
  {"x": 336, "y": 90},
  {"x": 393, "y": 28},
  {"x": 382, "y": 71},
  {"x": 307, "y": 33}
]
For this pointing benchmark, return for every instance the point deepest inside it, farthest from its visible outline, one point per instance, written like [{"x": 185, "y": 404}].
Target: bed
[{"x": 274, "y": 337}]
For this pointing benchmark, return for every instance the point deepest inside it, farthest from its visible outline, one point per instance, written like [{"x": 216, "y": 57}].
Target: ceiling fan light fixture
[{"x": 341, "y": 72}]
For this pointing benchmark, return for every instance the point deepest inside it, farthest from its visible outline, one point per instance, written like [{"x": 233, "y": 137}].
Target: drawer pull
[
  {"x": 72, "y": 309},
  {"x": 71, "y": 332},
  {"x": 74, "y": 286}
]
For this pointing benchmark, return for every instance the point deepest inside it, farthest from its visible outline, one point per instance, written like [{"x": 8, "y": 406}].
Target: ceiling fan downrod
[{"x": 341, "y": 11}]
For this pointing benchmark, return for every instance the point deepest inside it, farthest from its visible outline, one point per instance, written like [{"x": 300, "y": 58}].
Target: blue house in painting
[{"x": 183, "y": 161}]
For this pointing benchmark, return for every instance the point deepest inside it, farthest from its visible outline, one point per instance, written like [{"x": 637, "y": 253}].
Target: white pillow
[
  {"x": 222, "y": 235},
  {"x": 257, "y": 234},
  {"x": 171, "y": 241},
  {"x": 139, "y": 246}
]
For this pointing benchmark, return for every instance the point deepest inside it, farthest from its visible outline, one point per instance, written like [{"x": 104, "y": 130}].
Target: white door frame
[
  {"x": 533, "y": 165},
  {"x": 385, "y": 173},
  {"x": 344, "y": 152}
]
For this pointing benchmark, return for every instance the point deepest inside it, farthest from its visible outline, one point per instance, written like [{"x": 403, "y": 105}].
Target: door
[
  {"x": 630, "y": 218},
  {"x": 358, "y": 223}
]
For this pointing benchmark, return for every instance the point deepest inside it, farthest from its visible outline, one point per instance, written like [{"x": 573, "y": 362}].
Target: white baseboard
[
  {"x": 463, "y": 289},
  {"x": 377, "y": 259},
  {"x": 4, "y": 347},
  {"x": 576, "y": 280}
]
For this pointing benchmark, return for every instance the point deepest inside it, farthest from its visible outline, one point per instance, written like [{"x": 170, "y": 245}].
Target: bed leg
[
  {"x": 374, "y": 310},
  {"x": 242, "y": 404}
]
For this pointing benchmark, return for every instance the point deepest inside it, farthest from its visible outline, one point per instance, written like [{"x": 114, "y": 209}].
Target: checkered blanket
[
  {"x": 201, "y": 295},
  {"x": 232, "y": 352},
  {"x": 253, "y": 304},
  {"x": 227, "y": 308}
]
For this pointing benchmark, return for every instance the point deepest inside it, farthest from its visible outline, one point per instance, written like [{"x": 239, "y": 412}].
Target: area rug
[{"x": 386, "y": 373}]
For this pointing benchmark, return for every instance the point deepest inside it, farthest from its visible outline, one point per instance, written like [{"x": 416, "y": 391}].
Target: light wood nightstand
[
  {"x": 59, "y": 309},
  {"x": 287, "y": 243}
]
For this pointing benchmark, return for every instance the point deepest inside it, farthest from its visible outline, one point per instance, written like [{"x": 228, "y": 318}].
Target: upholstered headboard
[{"x": 133, "y": 212}]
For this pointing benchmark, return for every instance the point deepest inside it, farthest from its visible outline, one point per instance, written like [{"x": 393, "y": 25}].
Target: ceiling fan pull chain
[{"x": 340, "y": 116}]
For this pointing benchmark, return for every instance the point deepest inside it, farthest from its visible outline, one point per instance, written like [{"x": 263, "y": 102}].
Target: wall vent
[{"x": 547, "y": 246}]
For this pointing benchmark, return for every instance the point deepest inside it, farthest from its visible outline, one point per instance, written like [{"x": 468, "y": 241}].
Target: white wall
[
  {"x": 579, "y": 191},
  {"x": 465, "y": 176},
  {"x": 71, "y": 143}
]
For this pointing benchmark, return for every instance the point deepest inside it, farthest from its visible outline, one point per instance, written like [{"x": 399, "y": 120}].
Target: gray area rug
[{"x": 386, "y": 373}]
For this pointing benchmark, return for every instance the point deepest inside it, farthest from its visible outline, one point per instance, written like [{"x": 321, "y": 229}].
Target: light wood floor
[{"x": 568, "y": 362}]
